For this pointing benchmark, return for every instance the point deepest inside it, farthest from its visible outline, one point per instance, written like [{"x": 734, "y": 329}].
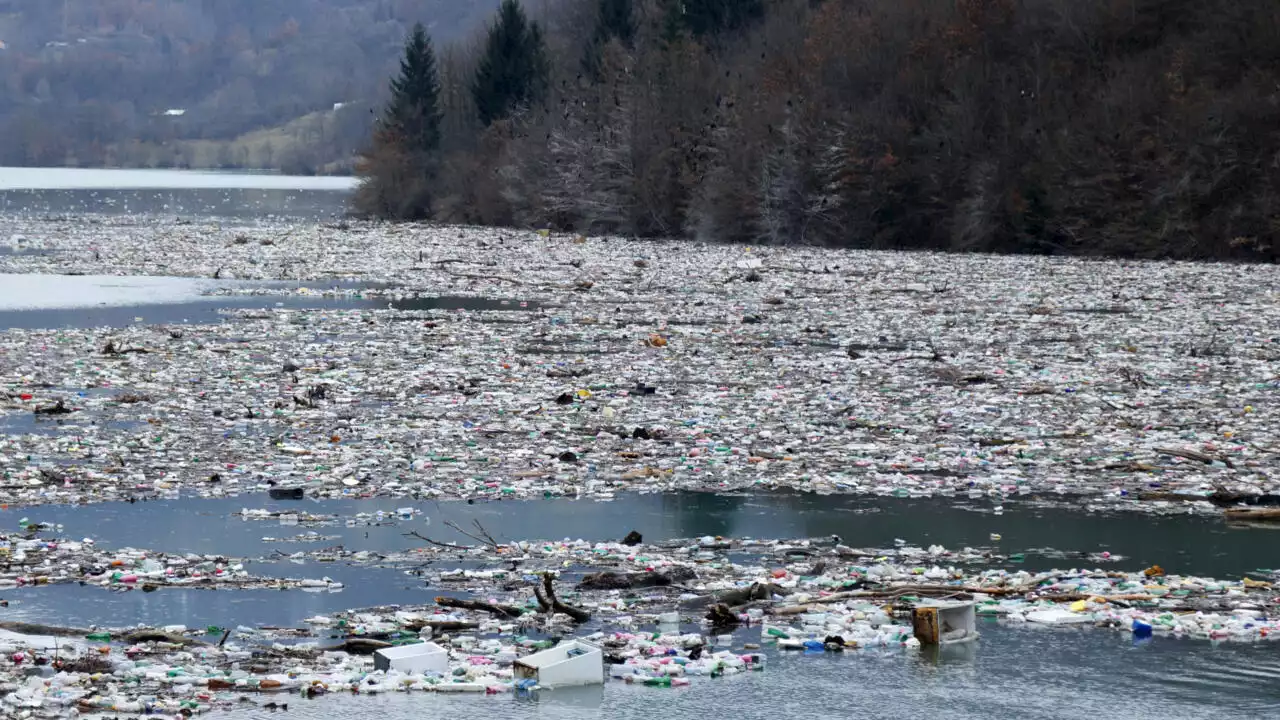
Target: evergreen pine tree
[
  {"x": 413, "y": 114},
  {"x": 513, "y": 69},
  {"x": 399, "y": 169},
  {"x": 672, "y": 21},
  {"x": 614, "y": 19},
  {"x": 710, "y": 17}
]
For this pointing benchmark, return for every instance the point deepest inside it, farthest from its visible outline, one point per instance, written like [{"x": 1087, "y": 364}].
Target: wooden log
[
  {"x": 359, "y": 646},
  {"x": 507, "y": 611},
  {"x": 629, "y": 581},
  {"x": 756, "y": 591},
  {"x": 37, "y": 629},
  {"x": 891, "y": 593},
  {"x": 441, "y": 626},
  {"x": 1253, "y": 514},
  {"x": 1193, "y": 455},
  {"x": 145, "y": 636},
  {"x": 1225, "y": 498},
  {"x": 721, "y": 617}
]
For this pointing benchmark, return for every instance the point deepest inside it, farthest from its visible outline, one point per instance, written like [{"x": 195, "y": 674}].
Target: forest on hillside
[
  {"x": 1143, "y": 128},
  {"x": 93, "y": 82}
]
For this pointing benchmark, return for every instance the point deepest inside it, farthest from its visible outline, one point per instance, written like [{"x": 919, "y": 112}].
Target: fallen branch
[
  {"x": 23, "y": 628},
  {"x": 484, "y": 537},
  {"x": 629, "y": 581},
  {"x": 450, "y": 261},
  {"x": 508, "y": 611},
  {"x": 895, "y": 592},
  {"x": 549, "y": 602},
  {"x": 359, "y": 646},
  {"x": 480, "y": 276},
  {"x": 58, "y": 408},
  {"x": 1193, "y": 455},
  {"x": 145, "y": 636},
  {"x": 441, "y": 626},
  {"x": 1253, "y": 514},
  {"x": 756, "y": 591},
  {"x": 722, "y": 618},
  {"x": 424, "y": 538}
]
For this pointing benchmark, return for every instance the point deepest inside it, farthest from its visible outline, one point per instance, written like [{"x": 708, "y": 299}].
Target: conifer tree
[
  {"x": 399, "y": 169},
  {"x": 710, "y": 17},
  {"x": 513, "y": 69},
  {"x": 615, "y": 19},
  {"x": 413, "y": 114}
]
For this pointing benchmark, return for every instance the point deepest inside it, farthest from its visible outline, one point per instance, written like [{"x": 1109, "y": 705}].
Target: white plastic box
[
  {"x": 568, "y": 664},
  {"x": 939, "y": 622},
  {"x": 417, "y": 658}
]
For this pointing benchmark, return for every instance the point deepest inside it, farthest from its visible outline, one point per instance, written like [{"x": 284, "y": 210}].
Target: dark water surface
[
  {"x": 1187, "y": 545},
  {"x": 34, "y": 301},
  {"x": 237, "y": 203},
  {"x": 209, "y": 310},
  {"x": 1181, "y": 544}
]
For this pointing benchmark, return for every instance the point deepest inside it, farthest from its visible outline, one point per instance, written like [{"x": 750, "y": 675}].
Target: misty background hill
[{"x": 204, "y": 83}]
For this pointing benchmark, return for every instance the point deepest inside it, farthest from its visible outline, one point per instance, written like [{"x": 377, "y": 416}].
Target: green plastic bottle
[{"x": 98, "y": 637}]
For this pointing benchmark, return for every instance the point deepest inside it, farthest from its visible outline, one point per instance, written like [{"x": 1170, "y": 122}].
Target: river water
[
  {"x": 86, "y": 301},
  {"x": 1011, "y": 672},
  {"x": 170, "y": 193}
]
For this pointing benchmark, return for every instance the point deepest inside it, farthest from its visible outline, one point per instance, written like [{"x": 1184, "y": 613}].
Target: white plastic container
[
  {"x": 418, "y": 658},
  {"x": 939, "y": 622},
  {"x": 569, "y": 664}
]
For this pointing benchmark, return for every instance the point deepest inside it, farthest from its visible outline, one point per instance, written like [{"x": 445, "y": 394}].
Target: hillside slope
[{"x": 93, "y": 82}]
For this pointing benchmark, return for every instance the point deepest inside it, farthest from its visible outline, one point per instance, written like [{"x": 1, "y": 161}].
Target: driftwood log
[
  {"x": 629, "y": 581},
  {"x": 359, "y": 646},
  {"x": 756, "y": 591},
  {"x": 38, "y": 629},
  {"x": 1253, "y": 514},
  {"x": 134, "y": 638},
  {"x": 506, "y": 611},
  {"x": 145, "y": 636},
  {"x": 441, "y": 626},
  {"x": 722, "y": 618}
]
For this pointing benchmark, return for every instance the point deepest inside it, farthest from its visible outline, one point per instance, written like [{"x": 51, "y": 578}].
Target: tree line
[{"x": 1143, "y": 128}]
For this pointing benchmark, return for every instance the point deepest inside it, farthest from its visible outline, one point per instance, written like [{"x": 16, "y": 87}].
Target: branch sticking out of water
[
  {"x": 425, "y": 539},
  {"x": 546, "y": 595},
  {"x": 484, "y": 537}
]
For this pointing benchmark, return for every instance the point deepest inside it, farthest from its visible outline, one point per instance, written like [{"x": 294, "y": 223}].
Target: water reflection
[{"x": 694, "y": 517}]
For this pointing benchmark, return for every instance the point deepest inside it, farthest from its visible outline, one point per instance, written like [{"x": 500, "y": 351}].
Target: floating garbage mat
[
  {"x": 28, "y": 560},
  {"x": 668, "y": 615},
  {"x": 623, "y": 365}
]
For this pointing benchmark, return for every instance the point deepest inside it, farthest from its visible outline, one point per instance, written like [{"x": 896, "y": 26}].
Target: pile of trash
[
  {"x": 31, "y": 560},
  {"x": 664, "y": 615},
  {"x": 615, "y": 368}
]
